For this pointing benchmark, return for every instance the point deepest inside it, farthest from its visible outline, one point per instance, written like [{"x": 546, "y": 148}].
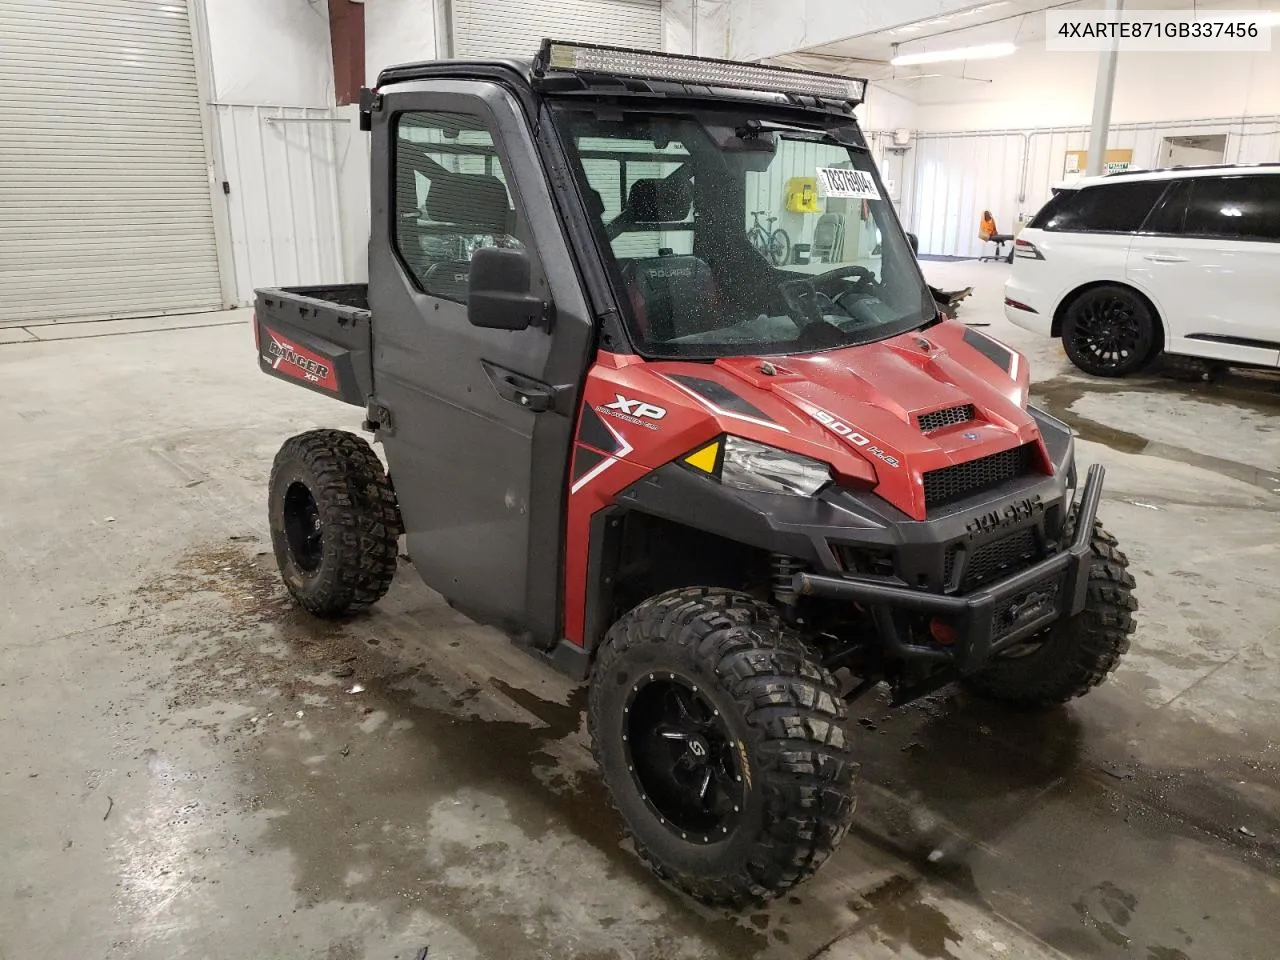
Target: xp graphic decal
[{"x": 298, "y": 362}]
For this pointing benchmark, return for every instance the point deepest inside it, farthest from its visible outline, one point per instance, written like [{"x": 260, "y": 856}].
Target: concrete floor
[{"x": 190, "y": 769}]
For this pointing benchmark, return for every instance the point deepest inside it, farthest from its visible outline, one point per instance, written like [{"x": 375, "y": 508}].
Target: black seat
[
  {"x": 671, "y": 296},
  {"x": 459, "y": 207}
]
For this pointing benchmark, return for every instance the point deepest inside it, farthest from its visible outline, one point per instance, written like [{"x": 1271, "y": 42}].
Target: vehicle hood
[{"x": 859, "y": 408}]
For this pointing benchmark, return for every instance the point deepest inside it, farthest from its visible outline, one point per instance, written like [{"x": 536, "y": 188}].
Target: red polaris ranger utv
[{"x": 730, "y": 487}]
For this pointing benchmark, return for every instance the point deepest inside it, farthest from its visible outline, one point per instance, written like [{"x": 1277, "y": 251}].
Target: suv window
[
  {"x": 1105, "y": 208},
  {"x": 451, "y": 198},
  {"x": 1245, "y": 207}
]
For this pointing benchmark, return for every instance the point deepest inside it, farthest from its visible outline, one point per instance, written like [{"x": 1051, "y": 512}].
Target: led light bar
[{"x": 645, "y": 65}]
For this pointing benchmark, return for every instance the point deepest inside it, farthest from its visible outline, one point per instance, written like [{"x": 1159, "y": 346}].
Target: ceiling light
[{"x": 986, "y": 51}]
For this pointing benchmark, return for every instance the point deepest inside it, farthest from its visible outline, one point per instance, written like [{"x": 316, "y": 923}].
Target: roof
[
  {"x": 1171, "y": 173},
  {"x": 422, "y": 69}
]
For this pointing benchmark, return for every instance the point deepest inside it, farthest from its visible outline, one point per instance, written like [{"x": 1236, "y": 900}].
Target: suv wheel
[
  {"x": 1110, "y": 331},
  {"x": 334, "y": 522},
  {"x": 720, "y": 738}
]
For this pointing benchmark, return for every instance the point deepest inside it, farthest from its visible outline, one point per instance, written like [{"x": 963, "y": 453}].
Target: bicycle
[{"x": 774, "y": 244}]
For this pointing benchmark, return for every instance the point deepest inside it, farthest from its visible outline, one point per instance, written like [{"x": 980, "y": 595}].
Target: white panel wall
[
  {"x": 398, "y": 31},
  {"x": 954, "y": 180},
  {"x": 283, "y": 206},
  {"x": 953, "y": 177},
  {"x": 270, "y": 51}
]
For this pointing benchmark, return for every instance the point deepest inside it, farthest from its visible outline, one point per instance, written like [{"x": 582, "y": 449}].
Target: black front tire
[
  {"x": 781, "y": 725},
  {"x": 1073, "y": 656},
  {"x": 1110, "y": 331},
  {"x": 334, "y": 522}
]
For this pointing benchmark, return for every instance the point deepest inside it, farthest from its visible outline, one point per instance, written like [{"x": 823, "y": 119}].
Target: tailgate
[{"x": 317, "y": 337}]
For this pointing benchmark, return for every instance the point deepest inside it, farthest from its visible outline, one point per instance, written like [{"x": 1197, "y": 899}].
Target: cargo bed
[{"x": 318, "y": 337}]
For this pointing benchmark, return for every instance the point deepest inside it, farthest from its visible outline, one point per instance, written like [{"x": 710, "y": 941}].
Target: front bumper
[{"x": 991, "y": 618}]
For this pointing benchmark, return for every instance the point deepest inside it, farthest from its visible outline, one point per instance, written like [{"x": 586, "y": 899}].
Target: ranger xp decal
[
  {"x": 854, "y": 437},
  {"x": 299, "y": 362}
]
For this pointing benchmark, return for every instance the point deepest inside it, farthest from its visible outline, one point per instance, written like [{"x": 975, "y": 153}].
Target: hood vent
[{"x": 947, "y": 417}]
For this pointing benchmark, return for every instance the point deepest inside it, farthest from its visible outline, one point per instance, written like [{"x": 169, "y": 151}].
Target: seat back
[{"x": 671, "y": 296}]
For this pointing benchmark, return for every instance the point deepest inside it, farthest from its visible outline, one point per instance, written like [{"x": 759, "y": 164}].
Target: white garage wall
[
  {"x": 1000, "y": 146},
  {"x": 270, "y": 52},
  {"x": 954, "y": 176},
  {"x": 398, "y": 31},
  {"x": 281, "y": 163},
  {"x": 277, "y": 147}
]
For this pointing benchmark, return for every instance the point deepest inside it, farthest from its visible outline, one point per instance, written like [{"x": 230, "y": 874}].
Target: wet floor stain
[
  {"x": 1107, "y": 909},
  {"x": 391, "y": 781},
  {"x": 902, "y": 918},
  {"x": 1057, "y": 396},
  {"x": 389, "y": 785}
]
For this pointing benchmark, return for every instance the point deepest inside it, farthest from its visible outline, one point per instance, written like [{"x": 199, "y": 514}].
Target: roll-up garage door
[
  {"x": 104, "y": 183},
  {"x": 487, "y": 28}
]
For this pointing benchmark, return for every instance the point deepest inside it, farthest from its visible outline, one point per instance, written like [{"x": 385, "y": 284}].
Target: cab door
[
  {"x": 1208, "y": 257},
  {"x": 480, "y": 419}
]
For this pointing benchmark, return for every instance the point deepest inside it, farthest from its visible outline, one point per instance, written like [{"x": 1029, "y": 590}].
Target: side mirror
[
  {"x": 915, "y": 243},
  {"x": 500, "y": 290}
]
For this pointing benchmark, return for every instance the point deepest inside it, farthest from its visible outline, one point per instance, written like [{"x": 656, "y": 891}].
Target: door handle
[
  {"x": 518, "y": 389},
  {"x": 1164, "y": 258}
]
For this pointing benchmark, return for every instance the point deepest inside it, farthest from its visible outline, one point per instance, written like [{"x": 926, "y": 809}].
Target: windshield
[{"x": 727, "y": 238}]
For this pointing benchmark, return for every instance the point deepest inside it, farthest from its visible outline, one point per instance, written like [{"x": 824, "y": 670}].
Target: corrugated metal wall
[
  {"x": 281, "y": 165},
  {"x": 950, "y": 178}
]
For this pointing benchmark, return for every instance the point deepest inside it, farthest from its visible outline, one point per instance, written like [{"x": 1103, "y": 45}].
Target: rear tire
[
  {"x": 334, "y": 522},
  {"x": 1110, "y": 331},
  {"x": 743, "y": 791},
  {"x": 1073, "y": 656}
]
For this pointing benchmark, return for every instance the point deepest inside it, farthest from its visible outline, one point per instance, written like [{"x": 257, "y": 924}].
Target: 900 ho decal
[
  {"x": 854, "y": 437},
  {"x": 298, "y": 362}
]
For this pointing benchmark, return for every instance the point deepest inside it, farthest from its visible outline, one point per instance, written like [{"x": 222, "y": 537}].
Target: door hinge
[
  {"x": 377, "y": 419},
  {"x": 370, "y": 103}
]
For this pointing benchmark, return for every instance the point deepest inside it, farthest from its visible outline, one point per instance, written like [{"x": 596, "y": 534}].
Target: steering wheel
[
  {"x": 865, "y": 277},
  {"x": 803, "y": 299}
]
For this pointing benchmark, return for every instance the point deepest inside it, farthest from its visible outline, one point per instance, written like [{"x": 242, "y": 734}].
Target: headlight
[{"x": 754, "y": 466}]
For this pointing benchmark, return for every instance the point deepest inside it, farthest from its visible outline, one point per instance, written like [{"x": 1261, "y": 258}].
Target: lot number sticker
[{"x": 847, "y": 184}]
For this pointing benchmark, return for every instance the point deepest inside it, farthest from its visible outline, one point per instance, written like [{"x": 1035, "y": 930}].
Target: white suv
[{"x": 1124, "y": 266}]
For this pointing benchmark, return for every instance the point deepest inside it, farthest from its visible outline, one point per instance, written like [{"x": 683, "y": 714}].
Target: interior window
[
  {"x": 451, "y": 199},
  {"x": 1105, "y": 208},
  {"x": 1243, "y": 207}
]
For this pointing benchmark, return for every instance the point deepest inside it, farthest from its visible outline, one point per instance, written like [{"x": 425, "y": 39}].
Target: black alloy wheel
[
  {"x": 681, "y": 756},
  {"x": 302, "y": 527},
  {"x": 1109, "y": 331},
  {"x": 721, "y": 740}
]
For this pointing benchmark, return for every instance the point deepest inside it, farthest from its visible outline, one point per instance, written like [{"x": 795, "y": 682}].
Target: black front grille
[
  {"x": 965, "y": 479},
  {"x": 996, "y": 559},
  {"x": 948, "y": 417}
]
